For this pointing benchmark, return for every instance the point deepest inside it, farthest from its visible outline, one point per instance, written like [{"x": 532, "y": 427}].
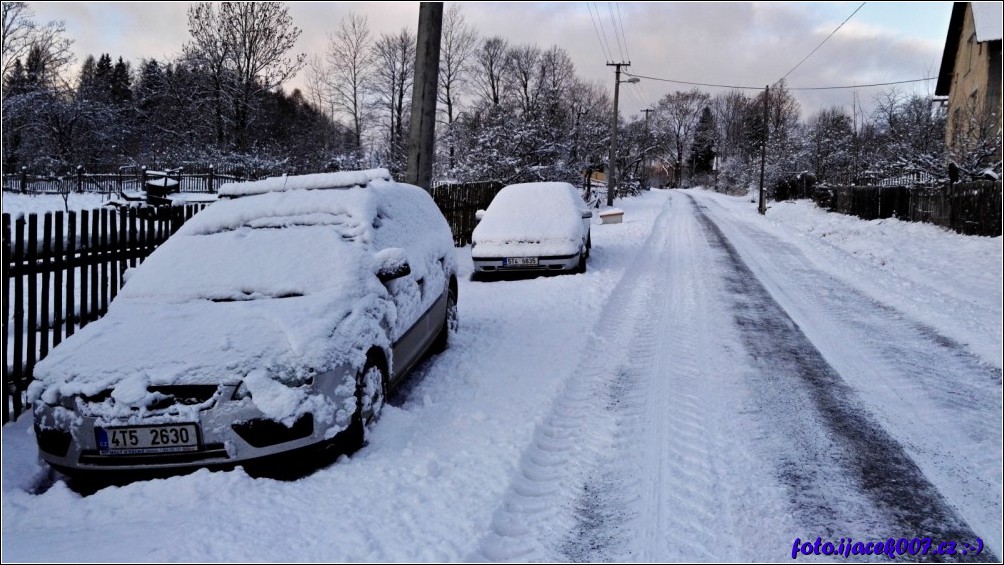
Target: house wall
[{"x": 977, "y": 70}]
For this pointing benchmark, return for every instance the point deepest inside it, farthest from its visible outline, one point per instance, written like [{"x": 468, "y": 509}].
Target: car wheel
[
  {"x": 371, "y": 387},
  {"x": 450, "y": 324}
]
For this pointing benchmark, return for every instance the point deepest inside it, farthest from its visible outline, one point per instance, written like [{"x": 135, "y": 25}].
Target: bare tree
[
  {"x": 209, "y": 52},
  {"x": 21, "y": 33},
  {"x": 493, "y": 65},
  {"x": 524, "y": 72},
  {"x": 350, "y": 61},
  {"x": 243, "y": 46},
  {"x": 677, "y": 115},
  {"x": 393, "y": 75},
  {"x": 259, "y": 35},
  {"x": 459, "y": 40}
]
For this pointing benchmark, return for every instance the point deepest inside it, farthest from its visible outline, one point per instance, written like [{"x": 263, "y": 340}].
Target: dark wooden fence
[
  {"x": 61, "y": 271},
  {"x": 968, "y": 208},
  {"x": 109, "y": 183},
  {"x": 459, "y": 202}
]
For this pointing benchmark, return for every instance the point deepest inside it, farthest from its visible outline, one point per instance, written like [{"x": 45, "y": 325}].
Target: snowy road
[{"x": 710, "y": 390}]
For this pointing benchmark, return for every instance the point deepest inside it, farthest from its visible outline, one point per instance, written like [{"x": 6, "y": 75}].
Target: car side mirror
[
  {"x": 586, "y": 214},
  {"x": 391, "y": 264},
  {"x": 479, "y": 215}
]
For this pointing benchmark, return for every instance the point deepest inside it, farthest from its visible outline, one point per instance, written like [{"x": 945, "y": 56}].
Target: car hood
[{"x": 139, "y": 345}]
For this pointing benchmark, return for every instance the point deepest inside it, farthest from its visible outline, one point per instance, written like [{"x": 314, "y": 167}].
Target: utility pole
[
  {"x": 611, "y": 174},
  {"x": 644, "y": 152},
  {"x": 763, "y": 148},
  {"x": 422, "y": 137}
]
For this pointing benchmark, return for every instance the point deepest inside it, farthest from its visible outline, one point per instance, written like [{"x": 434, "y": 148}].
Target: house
[{"x": 970, "y": 74}]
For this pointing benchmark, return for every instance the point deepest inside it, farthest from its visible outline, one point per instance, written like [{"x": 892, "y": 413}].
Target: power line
[
  {"x": 821, "y": 44},
  {"x": 617, "y": 36},
  {"x": 735, "y": 87},
  {"x": 620, "y": 19},
  {"x": 605, "y": 49},
  {"x": 599, "y": 18}
]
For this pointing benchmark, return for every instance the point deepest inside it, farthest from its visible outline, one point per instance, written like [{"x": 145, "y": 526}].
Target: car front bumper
[
  {"x": 230, "y": 432},
  {"x": 552, "y": 263}
]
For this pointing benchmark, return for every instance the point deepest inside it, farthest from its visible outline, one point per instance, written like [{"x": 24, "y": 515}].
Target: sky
[{"x": 741, "y": 44}]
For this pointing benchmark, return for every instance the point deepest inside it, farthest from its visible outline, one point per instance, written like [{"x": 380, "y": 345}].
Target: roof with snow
[{"x": 989, "y": 20}]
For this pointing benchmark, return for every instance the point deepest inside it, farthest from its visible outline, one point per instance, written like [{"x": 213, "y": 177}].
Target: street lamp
[{"x": 611, "y": 178}]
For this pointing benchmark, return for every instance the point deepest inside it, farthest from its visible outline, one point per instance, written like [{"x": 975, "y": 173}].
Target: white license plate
[
  {"x": 519, "y": 262},
  {"x": 147, "y": 439}
]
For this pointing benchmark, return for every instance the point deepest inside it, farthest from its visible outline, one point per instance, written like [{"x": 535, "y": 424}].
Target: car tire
[
  {"x": 450, "y": 324},
  {"x": 371, "y": 395},
  {"x": 581, "y": 267}
]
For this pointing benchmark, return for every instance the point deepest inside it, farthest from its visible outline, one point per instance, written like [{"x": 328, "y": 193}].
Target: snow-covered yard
[{"x": 629, "y": 413}]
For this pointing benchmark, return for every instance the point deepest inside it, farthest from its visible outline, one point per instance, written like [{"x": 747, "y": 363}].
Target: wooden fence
[
  {"x": 968, "y": 208},
  {"x": 459, "y": 202},
  {"x": 60, "y": 273},
  {"x": 108, "y": 183}
]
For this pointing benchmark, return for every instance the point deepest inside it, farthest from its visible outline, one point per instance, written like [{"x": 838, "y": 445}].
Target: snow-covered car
[
  {"x": 274, "y": 321},
  {"x": 541, "y": 226}
]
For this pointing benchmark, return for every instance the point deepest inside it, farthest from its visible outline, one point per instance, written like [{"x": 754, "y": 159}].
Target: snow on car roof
[{"x": 343, "y": 179}]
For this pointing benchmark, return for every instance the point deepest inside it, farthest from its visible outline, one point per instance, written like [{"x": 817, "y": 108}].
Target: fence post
[
  {"x": 211, "y": 175},
  {"x": 80, "y": 178},
  {"x": 142, "y": 178},
  {"x": 24, "y": 180}
]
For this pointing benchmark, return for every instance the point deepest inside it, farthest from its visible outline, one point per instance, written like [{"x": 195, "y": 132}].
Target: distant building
[{"x": 970, "y": 74}]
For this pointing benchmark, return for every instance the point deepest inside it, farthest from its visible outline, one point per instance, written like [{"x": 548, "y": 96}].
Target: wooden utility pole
[
  {"x": 422, "y": 136},
  {"x": 763, "y": 148},
  {"x": 612, "y": 164}
]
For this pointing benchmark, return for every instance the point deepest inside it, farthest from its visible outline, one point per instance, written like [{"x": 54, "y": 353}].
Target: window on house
[{"x": 969, "y": 52}]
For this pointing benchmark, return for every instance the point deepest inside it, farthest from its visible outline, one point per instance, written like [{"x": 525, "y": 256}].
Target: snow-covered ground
[
  {"x": 15, "y": 203},
  {"x": 715, "y": 386}
]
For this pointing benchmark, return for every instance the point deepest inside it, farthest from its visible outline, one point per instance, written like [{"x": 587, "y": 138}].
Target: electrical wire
[
  {"x": 736, "y": 87},
  {"x": 603, "y": 30},
  {"x": 617, "y": 36},
  {"x": 821, "y": 44},
  {"x": 620, "y": 19}
]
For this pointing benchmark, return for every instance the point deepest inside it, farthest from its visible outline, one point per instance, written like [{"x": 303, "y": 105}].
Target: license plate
[
  {"x": 147, "y": 439},
  {"x": 519, "y": 262}
]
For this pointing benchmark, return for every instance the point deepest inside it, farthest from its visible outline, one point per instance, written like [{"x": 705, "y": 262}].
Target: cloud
[{"x": 742, "y": 43}]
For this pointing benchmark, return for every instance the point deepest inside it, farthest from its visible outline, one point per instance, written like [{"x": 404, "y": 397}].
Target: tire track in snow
[
  {"x": 932, "y": 396},
  {"x": 633, "y": 462},
  {"x": 854, "y": 455},
  {"x": 539, "y": 506}
]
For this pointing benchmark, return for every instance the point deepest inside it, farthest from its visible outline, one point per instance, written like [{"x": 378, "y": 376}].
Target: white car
[
  {"x": 275, "y": 321},
  {"x": 542, "y": 226}
]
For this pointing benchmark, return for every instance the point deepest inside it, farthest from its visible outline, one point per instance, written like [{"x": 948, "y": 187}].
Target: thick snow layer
[
  {"x": 603, "y": 416},
  {"x": 989, "y": 20},
  {"x": 344, "y": 179},
  {"x": 531, "y": 219},
  {"x": 281, "y": 282}
]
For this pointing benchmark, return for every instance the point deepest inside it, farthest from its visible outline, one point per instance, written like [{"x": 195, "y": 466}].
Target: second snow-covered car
[
  {"x": 541, "y": 226},
  {"x": 274, "y": 321}
]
